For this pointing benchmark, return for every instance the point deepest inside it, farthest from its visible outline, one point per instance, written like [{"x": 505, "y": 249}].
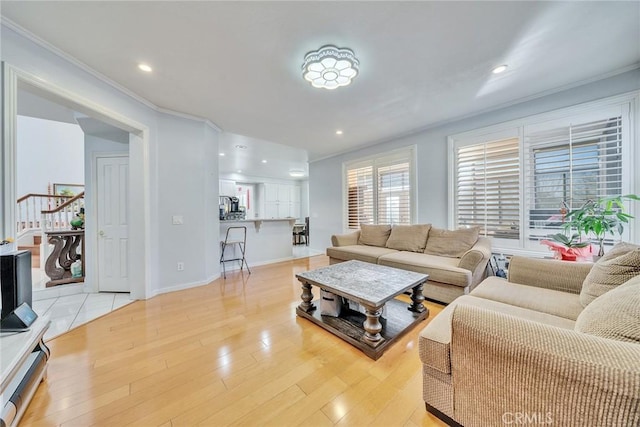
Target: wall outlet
[
  {"x": 181, "y": 266},
  {"x": 177, "y": 220}
]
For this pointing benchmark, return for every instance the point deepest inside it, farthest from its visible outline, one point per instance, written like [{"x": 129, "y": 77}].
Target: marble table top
[{"x": 362, "y": 281}]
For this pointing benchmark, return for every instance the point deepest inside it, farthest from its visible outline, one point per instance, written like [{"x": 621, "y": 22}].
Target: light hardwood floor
[{"x": 229, "y": 353}]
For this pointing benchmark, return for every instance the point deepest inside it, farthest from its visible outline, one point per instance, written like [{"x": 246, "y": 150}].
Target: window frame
[
  {"x": 628, "y": 104},
  {"x": 378, "y": 161}
]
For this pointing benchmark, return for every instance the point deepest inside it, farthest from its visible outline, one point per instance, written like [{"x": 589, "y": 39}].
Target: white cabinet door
[
  {"x": 284, "y": 191},
  {"x": 227, "y": 188},
  {"x": 294, "y": 194},
  {"x": 271, "y": 192},
  {"x": 271, "y": 210}
]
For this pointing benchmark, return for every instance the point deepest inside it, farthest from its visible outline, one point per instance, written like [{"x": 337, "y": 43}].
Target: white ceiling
[{"x": 421, "y": 63}]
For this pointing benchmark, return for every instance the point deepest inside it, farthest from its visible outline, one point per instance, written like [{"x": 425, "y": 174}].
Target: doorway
[{"x": 138, "y": 178}]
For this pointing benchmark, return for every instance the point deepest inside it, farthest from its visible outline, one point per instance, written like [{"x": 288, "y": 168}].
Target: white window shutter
[
  {"x": 379, "y": 190},
  {"x": 488, "y": 187},
  {"x": 568, "y": 165}
]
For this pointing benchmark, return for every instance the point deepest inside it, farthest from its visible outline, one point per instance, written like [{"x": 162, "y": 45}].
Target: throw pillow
[
  {"x": 374, "y": 235},
  {"x": 411, "y": 238},
  {"x": 617, "y": 266},
  {"x": 614, "y": 315},
  {"x": 451, "y": 243}
]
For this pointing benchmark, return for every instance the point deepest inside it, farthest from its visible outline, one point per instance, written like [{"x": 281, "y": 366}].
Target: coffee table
[{"x": 374, "y": 287}]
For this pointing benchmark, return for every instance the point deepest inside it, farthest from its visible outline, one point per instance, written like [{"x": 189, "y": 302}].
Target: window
[
  {"x": 517, "y": 181},
  {"x": 488, "y": 187},
  {"x": 379, "y": 190},
  {"x": 569, "y": 165}
]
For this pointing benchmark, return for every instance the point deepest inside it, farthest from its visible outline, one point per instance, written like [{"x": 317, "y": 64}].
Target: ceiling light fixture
[
  {"x": 500, "y": 69},
  {"x": 296, "y": 173},
  {"x": 241, "y": 147},
  {"x": 330, "y": 67},
  {"x": 264, "y": 161},
  {"x": 221, "y": 154},
  {"x": 338, "y": 132},
  {"x": 145, "y": 68}
]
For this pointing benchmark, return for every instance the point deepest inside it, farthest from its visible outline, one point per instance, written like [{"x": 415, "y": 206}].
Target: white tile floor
[{"x": 70, "y": 311}]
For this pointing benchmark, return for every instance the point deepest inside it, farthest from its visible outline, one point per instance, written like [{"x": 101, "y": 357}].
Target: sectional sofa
[
  {"x": 557, "y": 343},
  {"x": 455, "y": 260}
]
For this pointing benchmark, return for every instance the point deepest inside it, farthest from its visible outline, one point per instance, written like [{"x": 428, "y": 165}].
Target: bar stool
[{"x": 236, "y": 237}]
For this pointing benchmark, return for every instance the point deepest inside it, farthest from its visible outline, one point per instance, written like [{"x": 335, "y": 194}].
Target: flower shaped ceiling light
[{"x": 330, "y": 67}]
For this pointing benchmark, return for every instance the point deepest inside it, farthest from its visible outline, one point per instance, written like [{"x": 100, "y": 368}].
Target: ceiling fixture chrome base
[{"x": 330, "y": 67}]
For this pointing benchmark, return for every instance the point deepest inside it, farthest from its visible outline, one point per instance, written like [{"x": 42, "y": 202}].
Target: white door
[{"x": 113, "y": 223}]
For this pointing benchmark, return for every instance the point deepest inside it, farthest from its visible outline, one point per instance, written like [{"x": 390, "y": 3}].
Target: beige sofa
[
  {"x": 558, "y": 343},
  {"x": 455, "y": 261}
]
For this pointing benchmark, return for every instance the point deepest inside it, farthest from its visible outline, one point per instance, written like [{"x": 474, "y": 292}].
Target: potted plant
[
  {"x": 569, "y": 248},
  {"x": 599, "y": 217}
]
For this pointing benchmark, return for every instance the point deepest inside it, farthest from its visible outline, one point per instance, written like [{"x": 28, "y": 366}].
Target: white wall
[
  {"x": 48, "y": 152},
  {"x": 186, "y": 189},
  {"x": 167, "y": 156},
  {"x": 304, "y": 198},
  {"x": 325, "y": 176}
]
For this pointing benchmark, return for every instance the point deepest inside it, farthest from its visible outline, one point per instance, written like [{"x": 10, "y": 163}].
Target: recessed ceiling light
[
  {"x": 241, "y": 147},
  {"x": 221, "y": 154},
  {"x": 499, "y": 69},
  {"x": 296, "y": 173},
  {"x": 145, "y": 68},
  {"x": 338, "y": 132},
  {"x": 264, "y": 161}
]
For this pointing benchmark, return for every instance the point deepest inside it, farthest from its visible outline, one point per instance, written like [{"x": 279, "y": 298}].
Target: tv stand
[{"x": 23, "y": 358}]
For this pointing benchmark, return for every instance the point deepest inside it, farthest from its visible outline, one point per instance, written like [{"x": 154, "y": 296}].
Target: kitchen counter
[
  {"x": 259, "y": 221},
  {"x": 268, "y": 240}
]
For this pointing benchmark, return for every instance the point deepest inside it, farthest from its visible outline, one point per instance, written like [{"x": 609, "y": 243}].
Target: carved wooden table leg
[
  {"x": 307, "y": 297},
  {"x": 417, "y": 297},
  {"x": 51, "y": 268},
  {"x": 372, "y": 325}
]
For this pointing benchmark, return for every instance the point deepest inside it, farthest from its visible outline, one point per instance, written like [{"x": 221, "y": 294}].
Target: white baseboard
[{"x": 183, "y": 286}]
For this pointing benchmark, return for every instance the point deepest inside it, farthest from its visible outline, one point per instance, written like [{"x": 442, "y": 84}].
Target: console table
[{"x": 23, "y": 358}]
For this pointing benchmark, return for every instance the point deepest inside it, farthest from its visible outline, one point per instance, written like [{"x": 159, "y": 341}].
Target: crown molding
[
  {"x": 480, "y": 112},
  {"x": 87, "y": 69},
  {"x": 207, "y": 122}
]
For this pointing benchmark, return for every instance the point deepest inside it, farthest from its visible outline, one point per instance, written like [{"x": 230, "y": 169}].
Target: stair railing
[
  {"x": 30, "y": 207},
  {"x": 59, "y": 218}
]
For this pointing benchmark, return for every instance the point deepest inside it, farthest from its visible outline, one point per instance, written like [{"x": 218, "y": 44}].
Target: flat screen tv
[{"x": 15, "y": 281}]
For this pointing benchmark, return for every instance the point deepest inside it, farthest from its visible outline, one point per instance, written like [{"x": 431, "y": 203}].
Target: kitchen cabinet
[
  {"x": 227, "y": 188},
  {"x": 281, "y": 201}
]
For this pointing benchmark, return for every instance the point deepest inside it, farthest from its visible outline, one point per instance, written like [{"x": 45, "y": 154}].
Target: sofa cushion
[
  {"x": 557, "y": 303},
  {"x": 411, "y": 238},
  {"x": 615, "y": 314},
  {"x": 358, "y": 252},
  {"x": 620, "y": 264},
  {"x": 374, "y": 235},
  {"x": 435, "y": 338},
  {"x": 451, "y": 243},
  {"x": 439, "y": 269}
]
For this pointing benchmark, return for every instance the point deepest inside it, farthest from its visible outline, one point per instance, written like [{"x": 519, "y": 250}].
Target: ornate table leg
[
  {"x": 372, "y": 326},
  {"x": 416, "y": 300},
  {"x": 307, "y": 297}
]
